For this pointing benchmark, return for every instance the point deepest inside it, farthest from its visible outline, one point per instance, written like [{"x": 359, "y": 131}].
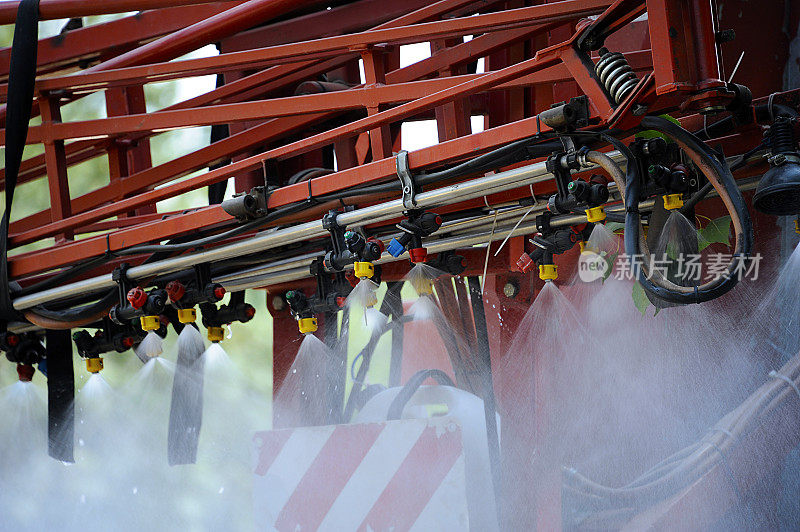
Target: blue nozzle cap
[{"x": 395, "y": 248}]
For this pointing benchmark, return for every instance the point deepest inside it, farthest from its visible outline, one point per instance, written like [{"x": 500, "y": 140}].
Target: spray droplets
[{"x": 150, "y": 347}]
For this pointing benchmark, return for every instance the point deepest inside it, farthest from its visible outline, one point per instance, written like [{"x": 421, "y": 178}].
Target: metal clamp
[{"x": 407, "y": 183}]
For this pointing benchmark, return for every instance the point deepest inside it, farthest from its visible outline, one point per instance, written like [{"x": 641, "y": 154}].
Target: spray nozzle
[
  {"x": 25, "y": 372},
  {"x": 418, "y": 225},
  {"x": 545, "y": 247},
  {"x": 216, "y": 317},
  {"x": 94, "y": 365},
  {"x": 29, "y": 350}
]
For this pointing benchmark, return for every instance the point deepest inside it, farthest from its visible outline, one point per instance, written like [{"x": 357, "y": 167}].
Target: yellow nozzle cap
[
  {"x": 364, "y": 270},
  {"x": 94, "y": 365},
  {"x": 307, "y": 325},
  {"x": 673, "y": 201},
  {"x": 150, "y": 323},
  {"x": 548, "y": 272},
  {"x": 595, "y": 214},
  {"x": 215, "y": 334},
  {"x": 187, "y": 315}
]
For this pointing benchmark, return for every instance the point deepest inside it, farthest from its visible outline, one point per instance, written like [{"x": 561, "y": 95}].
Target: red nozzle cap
[
  {"x": 341, "y": 301},
  {"x": 12, "y": 340},
  {"x": 219, "y": 292},
  {"x": 439, "y": 221},
  {"x": 251, "y": 311},
  {"x": 418, "y": 255},
  {"x": 525, "y": 263},
  {"x": 175, "y": 290},
  {"x": 25, "y": 372},
  {"x": 137, "y": 297},
  {"x": 378, "y": 241},
  {"x": 128, "y": 342}
]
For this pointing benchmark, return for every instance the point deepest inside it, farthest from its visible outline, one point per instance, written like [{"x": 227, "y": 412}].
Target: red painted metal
[
  {"x": 55, "y": 9},
  {"x": 532, "y": 56}
]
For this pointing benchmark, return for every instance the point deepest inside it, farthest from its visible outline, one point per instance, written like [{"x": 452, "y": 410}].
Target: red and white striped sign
[{"x": 396, "y": 475}]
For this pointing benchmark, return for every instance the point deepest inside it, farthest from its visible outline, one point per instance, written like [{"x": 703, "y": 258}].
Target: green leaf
[
  {"x": 716, "y": 232},
  {"x": 640, "y": 298},
  {"x": 610, "y": 260},
  {"x": 614, "y": 226}
]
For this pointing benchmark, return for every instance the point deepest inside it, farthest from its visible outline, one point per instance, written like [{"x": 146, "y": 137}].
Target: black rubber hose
[
  {"x": 411, "y": 387},
  {"x": 722, "y": 180}
]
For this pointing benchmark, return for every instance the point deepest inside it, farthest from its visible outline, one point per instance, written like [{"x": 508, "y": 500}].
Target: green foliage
[
  {"x": 640, "y": 298},
  {"x": 716, "y": 232}
]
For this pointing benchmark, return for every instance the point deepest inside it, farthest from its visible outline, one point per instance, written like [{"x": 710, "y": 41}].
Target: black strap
[
  {"x": 21, "y": 80},
  {"x": 60, "y": 395},
  {"x": 411, "y": 387}
]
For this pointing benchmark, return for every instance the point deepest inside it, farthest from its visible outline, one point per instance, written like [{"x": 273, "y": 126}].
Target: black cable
[{"x": 21, "y": 81}]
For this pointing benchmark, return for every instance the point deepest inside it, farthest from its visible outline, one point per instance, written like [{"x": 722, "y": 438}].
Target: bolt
[{"x": 511, "y": 289}]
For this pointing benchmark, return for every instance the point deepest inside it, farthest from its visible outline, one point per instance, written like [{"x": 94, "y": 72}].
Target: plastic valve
[
  {"x": 418, "y": 255},
  {"x": 137, "y": 297},
  {"x": 548, "y": 272},
  {"x": 595, "y": 215},
  {"x": 215, "y": 334},
  {"x": 363, "y": 270},
  {"x": 187, "y": 315},
  {"x": 150, "y": 323},
  {"x": 673, "y": 201},
  {"x": 395, "y": 248},
  {"x": 307, "y": 325},
  {"x": 94, "y": 365}
]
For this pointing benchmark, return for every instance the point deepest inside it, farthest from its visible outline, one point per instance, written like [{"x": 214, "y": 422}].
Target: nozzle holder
[
  {"x": 548, "y": 272},
  {"x": 673, "y": 201},
  {"x": 307, "y": 325},
  {"x": 215, "y": 334},
  {"x": 595, "y": 214},
  {"x": 94, "y": 365}
]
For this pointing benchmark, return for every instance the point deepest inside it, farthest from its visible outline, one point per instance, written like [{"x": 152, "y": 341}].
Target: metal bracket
[{"x": 407, "y": 183}]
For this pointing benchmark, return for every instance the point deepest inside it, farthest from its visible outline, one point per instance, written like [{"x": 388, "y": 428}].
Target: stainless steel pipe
[{"x": 474, "y": 188}]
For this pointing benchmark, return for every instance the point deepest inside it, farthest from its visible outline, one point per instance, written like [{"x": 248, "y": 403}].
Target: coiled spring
[{"x": 615, "y": 74}]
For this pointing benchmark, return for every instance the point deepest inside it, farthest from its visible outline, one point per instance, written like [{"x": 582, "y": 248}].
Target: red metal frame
[{"x": 532, "y": 59}]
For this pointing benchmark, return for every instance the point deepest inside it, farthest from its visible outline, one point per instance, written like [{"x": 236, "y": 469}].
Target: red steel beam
[
  {"x": 55, "y": 9},
  {"x": 354, "y": 98},
  {"x": 205, "y": 156},
  {"x": 44, "y": 260},
  {"x": 543, "y": 59},
  {"x": 239, "y": 18},
  {"x": 322, "y": 48},
  {"x": 66, "y": 50},
  {"x": 256, "y": 85}
]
